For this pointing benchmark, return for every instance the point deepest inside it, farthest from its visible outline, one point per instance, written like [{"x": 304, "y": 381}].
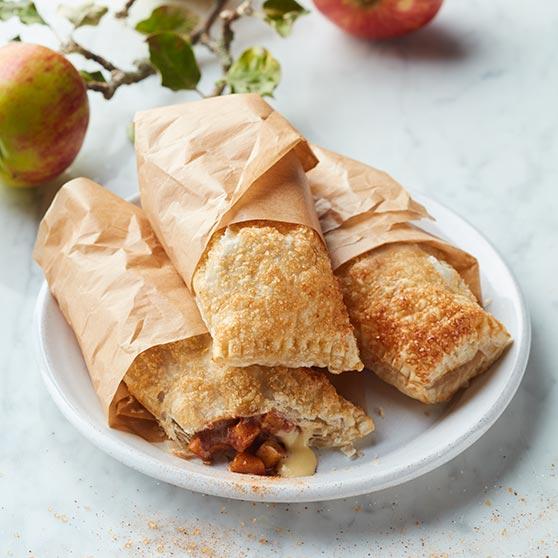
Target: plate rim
[{"x": 253, "y": 488}]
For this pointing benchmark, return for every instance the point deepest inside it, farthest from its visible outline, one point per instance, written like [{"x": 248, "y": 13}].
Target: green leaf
[
  {"x": 25, "y": 10},
  {"x": 281, "y": 14},
  {"x": 16, "y": 39},
  {"x": 173, "y": 56},
  {"x": 254, "y": 71},
  {"x": 169, "y": 18},
  {"x": 29, "y": 14},
  {"x": 88, "y": 13},
  {"x": 92, "y": 76}
]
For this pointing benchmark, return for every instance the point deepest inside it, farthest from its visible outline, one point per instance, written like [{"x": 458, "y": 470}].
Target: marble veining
[{"x": 464, "y": 111}]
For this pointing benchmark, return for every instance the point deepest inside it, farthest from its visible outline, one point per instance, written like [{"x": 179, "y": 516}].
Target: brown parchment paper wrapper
[
  {"x": 361, "y": 208},
  {"x": 211, "y": 163},
  {"x": 116, "y": 288}
]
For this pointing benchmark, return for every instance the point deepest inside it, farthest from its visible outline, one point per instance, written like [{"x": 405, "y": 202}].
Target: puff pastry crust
[
  {"x": 268, "y": 296},
  {"x": 419, "y": 326},
  {"x": 187, "y": 391}
]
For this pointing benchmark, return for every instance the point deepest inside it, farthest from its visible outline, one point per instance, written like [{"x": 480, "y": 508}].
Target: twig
[
  {"x": 219, "y": 88},
  {"x": 120, "y": 77},
  {"x": 125, "y": 11},
  {"x": 217, "y": 48},
  {"x": 200, "y": 93},
  {"x": 223, "y": 48},
  {"x": 208, "y": 23},
  {"x": 71, "y": 47},
  {"x": 228, "y": 17}
]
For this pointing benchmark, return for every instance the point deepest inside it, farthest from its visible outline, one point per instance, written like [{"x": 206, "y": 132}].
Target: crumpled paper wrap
[
  {"x": 116, "y": 288},
  {"x": 361, "y": 208},
  {"x": 208, "y": 164}
]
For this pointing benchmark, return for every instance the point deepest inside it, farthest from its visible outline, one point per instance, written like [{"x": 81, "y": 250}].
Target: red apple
[
  {"x": 44, "y": 114},
  {"x": 379, "y": 19}
]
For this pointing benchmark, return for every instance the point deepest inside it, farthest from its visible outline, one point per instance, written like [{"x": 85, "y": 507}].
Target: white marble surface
[{"x": 465, "y": 111}]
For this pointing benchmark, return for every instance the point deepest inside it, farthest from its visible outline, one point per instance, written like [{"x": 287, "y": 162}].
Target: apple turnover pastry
[
  {"x": 418, "y": 321},
  {"x": 268, "y": 296},
  {"x": 419, "y": 325},
  {"x": 223, "y": 184},
  {"x": 264, "y": 420},
  {"x": 144, "y": 341}
]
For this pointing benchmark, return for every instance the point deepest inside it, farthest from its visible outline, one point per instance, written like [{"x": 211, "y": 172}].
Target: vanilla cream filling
[{"x": 300, "y": 460}]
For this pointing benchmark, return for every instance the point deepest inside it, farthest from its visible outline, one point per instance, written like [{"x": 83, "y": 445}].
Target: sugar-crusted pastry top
[
  {"x": 187, "y": 391},
  {"x": 415, "y": 317},
  {"x": 268, "y": 296}
]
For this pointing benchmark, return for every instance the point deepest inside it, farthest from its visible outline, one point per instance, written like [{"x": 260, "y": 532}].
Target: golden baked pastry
[
  {"x": 419, "y": 326},
  {"x": 223, "y": 184},
  {"x": 268, "y": 296},
  {"x": 149, "y": 354},
  {"x": 254, "y": 413}
]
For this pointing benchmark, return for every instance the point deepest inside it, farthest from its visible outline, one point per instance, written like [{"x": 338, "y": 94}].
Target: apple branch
[
  {"x": 211, "y": 18},
  {"x": 72, "y": 47},
  {"x": 119, "y": 78},
  {"x": 222, "y": 48},
  {"x": 217, "y": 41},
  {"x": 144, "y": 69},
  {"x": 125, "y": 11}
]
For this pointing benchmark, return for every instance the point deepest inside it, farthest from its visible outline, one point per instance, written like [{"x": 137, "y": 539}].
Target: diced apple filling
[{"x": 252, "y": 444}]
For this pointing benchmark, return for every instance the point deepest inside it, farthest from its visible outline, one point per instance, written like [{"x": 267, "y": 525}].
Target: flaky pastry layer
[
  {"x": 268, "y": 296},
  {"x": 187, "y": 392},
  {"x": 419, "y": 326}
]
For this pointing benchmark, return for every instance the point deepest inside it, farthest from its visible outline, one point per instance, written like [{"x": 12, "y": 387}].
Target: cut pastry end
[
  {"x": 419, "y": 326},
  {"x": 267, "y": 444},
  {"x": 251, "y": 416},
  {"x": 268, "y": 296}
]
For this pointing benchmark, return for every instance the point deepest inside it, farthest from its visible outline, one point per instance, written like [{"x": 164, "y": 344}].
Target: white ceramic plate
[{"x": 410, "y": 440}]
